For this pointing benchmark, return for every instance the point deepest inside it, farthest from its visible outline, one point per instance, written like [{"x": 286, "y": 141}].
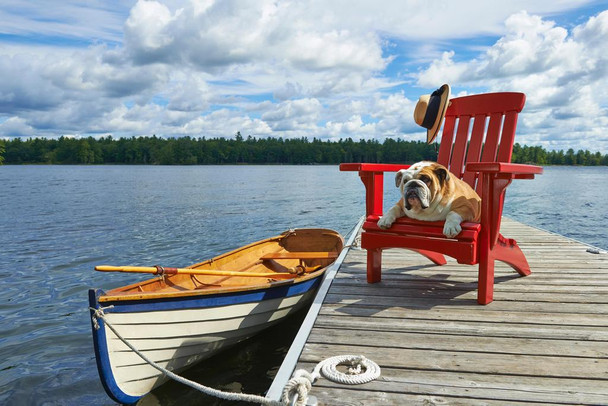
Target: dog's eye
[{"x": 425, "y": 179}]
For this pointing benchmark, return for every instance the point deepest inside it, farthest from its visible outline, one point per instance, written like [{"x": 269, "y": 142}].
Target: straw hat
[{"x": 430, "y": 110}]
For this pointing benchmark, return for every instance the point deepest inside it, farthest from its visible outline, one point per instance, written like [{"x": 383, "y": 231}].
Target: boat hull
[
  {"x": 177, "y": 334},
  {"x": 179, "y": 319}
]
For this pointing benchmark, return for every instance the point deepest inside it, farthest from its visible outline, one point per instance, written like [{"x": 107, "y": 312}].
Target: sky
[{"x": 326, "y": 69}]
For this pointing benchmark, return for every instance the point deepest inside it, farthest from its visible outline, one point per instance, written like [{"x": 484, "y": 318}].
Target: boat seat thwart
[{"x": 300, "y": 255}]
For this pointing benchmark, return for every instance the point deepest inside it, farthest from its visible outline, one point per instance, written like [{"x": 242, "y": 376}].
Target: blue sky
[{"x": 310, "y": 68}]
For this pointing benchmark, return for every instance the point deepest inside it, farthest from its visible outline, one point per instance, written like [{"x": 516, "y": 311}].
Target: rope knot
[
  {"x": 98, "y": 314},
  {"x": 355, "y": 366},
  {"x": 298, "y": 387}
]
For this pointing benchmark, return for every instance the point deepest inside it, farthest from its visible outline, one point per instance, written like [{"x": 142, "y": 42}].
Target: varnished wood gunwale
[{"x": 313, "y": 247}]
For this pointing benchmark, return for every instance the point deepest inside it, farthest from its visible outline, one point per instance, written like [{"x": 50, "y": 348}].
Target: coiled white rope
[
  {"x": 296, "y": 390},
  {"x": 360, "y": 370}
]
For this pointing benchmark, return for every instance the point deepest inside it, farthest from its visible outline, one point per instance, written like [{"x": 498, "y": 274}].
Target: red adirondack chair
[{"x": 480, "y": 154}]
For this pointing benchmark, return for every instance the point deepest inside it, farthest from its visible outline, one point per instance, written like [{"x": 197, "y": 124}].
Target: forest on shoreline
[{"x": 239, "y": 150}]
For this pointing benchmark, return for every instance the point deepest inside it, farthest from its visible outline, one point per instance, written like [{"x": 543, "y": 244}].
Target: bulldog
[{"x": 430, "y": 192}]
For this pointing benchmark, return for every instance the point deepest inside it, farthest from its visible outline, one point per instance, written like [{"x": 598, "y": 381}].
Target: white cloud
[
  {"x": 23, "y": 87},
  {"x": 291, "y": 115},
  {"x": 187, "y": 91},
  {"x": 223, "y": 123},
  {"x": 353, "y": 127},
  {"x": 530, "y": 46},
  {"x": 16, "y": 127},
  {"x": 563, "y": 75},
  {"x": 147, "y": 25},
  {"x": 244, "y": 32},
  {"x": 68, "y": 22},
  {"x": 291, "y": 69}
]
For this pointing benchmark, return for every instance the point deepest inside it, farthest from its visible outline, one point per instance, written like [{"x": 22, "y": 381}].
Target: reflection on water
[{"x": 58, "y": 222}]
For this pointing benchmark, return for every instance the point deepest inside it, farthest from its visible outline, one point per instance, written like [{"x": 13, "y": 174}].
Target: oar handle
[
  {"x": 159, "y": 270},
  {"x": 156, "y": 270}
]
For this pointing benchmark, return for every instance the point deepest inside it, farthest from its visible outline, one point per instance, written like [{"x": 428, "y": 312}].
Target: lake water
[{"x": 58, "y": 222}]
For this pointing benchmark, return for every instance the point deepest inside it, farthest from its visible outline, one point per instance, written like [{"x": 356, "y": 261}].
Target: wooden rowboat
[{"x": 188, "y": 314}]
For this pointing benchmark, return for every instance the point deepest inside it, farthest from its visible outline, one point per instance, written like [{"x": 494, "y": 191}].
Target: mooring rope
[
  {"x": 361, "y": 370},
  {"x": 243, "y": 397}
]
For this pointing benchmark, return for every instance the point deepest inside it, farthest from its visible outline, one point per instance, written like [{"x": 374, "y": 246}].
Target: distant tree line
[
  {"x": 539, "y": 156},
  {"x": 239, "y": 150},
  {"x": 202, "y": 151}
]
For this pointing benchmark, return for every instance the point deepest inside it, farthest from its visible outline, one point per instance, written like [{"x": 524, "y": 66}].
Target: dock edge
[{"x": 291, "y": 359}]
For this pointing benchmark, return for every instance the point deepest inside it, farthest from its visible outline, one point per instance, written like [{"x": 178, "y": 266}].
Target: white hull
[{"x": 177, "y": 339}]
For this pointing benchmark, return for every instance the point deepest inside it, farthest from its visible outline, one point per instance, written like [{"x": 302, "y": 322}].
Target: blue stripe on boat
[{"x": 221, "y": 299}]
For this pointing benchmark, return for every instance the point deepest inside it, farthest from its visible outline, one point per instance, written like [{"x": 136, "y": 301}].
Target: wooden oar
[{"x": 188, "y": 271}]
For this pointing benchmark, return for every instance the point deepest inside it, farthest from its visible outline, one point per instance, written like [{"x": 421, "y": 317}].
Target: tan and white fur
[{"x": 430, "y": 192}]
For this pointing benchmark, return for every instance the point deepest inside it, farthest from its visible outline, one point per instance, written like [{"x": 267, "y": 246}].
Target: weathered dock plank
[{"x": 543, "y": 340}]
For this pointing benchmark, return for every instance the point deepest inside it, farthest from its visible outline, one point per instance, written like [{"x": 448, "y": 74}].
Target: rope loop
[{"x": 360, "y": 369}]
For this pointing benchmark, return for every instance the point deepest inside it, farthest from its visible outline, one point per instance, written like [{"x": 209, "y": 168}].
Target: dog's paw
[
  {"x": 385, "y": 222},
  {"x": 451, "y": 229}
]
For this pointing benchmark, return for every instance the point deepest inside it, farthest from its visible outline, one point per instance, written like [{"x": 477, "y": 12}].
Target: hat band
[{"x": 433, "y": 109}]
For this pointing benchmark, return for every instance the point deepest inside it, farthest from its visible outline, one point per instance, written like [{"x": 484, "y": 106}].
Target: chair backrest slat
[
  {"x": 475, "y": 145},
  {"x": 490, "y": 145},
  {"x": 445, "y": 148},
  {"x": 508, "y": 136},
  {"x": 460, "y": 146},
  {"x": 485, "y": 143}
]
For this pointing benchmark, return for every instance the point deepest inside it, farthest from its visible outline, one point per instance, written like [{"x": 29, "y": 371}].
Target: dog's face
[
  {"x": 430, "y": 193},
  {"x": 421, "y": 185}
]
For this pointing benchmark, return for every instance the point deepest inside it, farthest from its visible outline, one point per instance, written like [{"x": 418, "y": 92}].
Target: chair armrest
[
  {"x": 363, "y": 167},
  {"x": 495, "y": 177},
  {"x": 517, "y": 171},
  {"x": 372, "y": 176}
]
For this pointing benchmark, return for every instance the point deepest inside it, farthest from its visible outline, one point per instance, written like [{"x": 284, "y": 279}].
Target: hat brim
[{"x": 431, "y": 133}]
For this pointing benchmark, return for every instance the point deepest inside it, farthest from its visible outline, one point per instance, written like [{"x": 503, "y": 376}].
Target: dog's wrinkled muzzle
[
  {"x": 416, "y": 195},
  {"x": 413, "y": 198}
]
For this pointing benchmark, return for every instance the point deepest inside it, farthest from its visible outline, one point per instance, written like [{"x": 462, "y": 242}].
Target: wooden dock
[{"x": 544, "y": 339}]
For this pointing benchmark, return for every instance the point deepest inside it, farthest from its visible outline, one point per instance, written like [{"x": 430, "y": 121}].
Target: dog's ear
[
  {"x": 398, "y": 177},
  {"x": 442, "y": 174}
]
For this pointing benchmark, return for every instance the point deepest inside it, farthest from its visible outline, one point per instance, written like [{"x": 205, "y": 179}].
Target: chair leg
[
  {"x": 507, "y": 250},
  {"x": 485, "y": 281},
  {"x": 485, "y": 285},
  {"x": 437, "y": 258},
  {"x": 374, "y": 265}
]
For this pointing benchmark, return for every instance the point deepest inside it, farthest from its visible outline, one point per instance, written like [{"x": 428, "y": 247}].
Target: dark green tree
[{"x": 238, "y": 150}]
